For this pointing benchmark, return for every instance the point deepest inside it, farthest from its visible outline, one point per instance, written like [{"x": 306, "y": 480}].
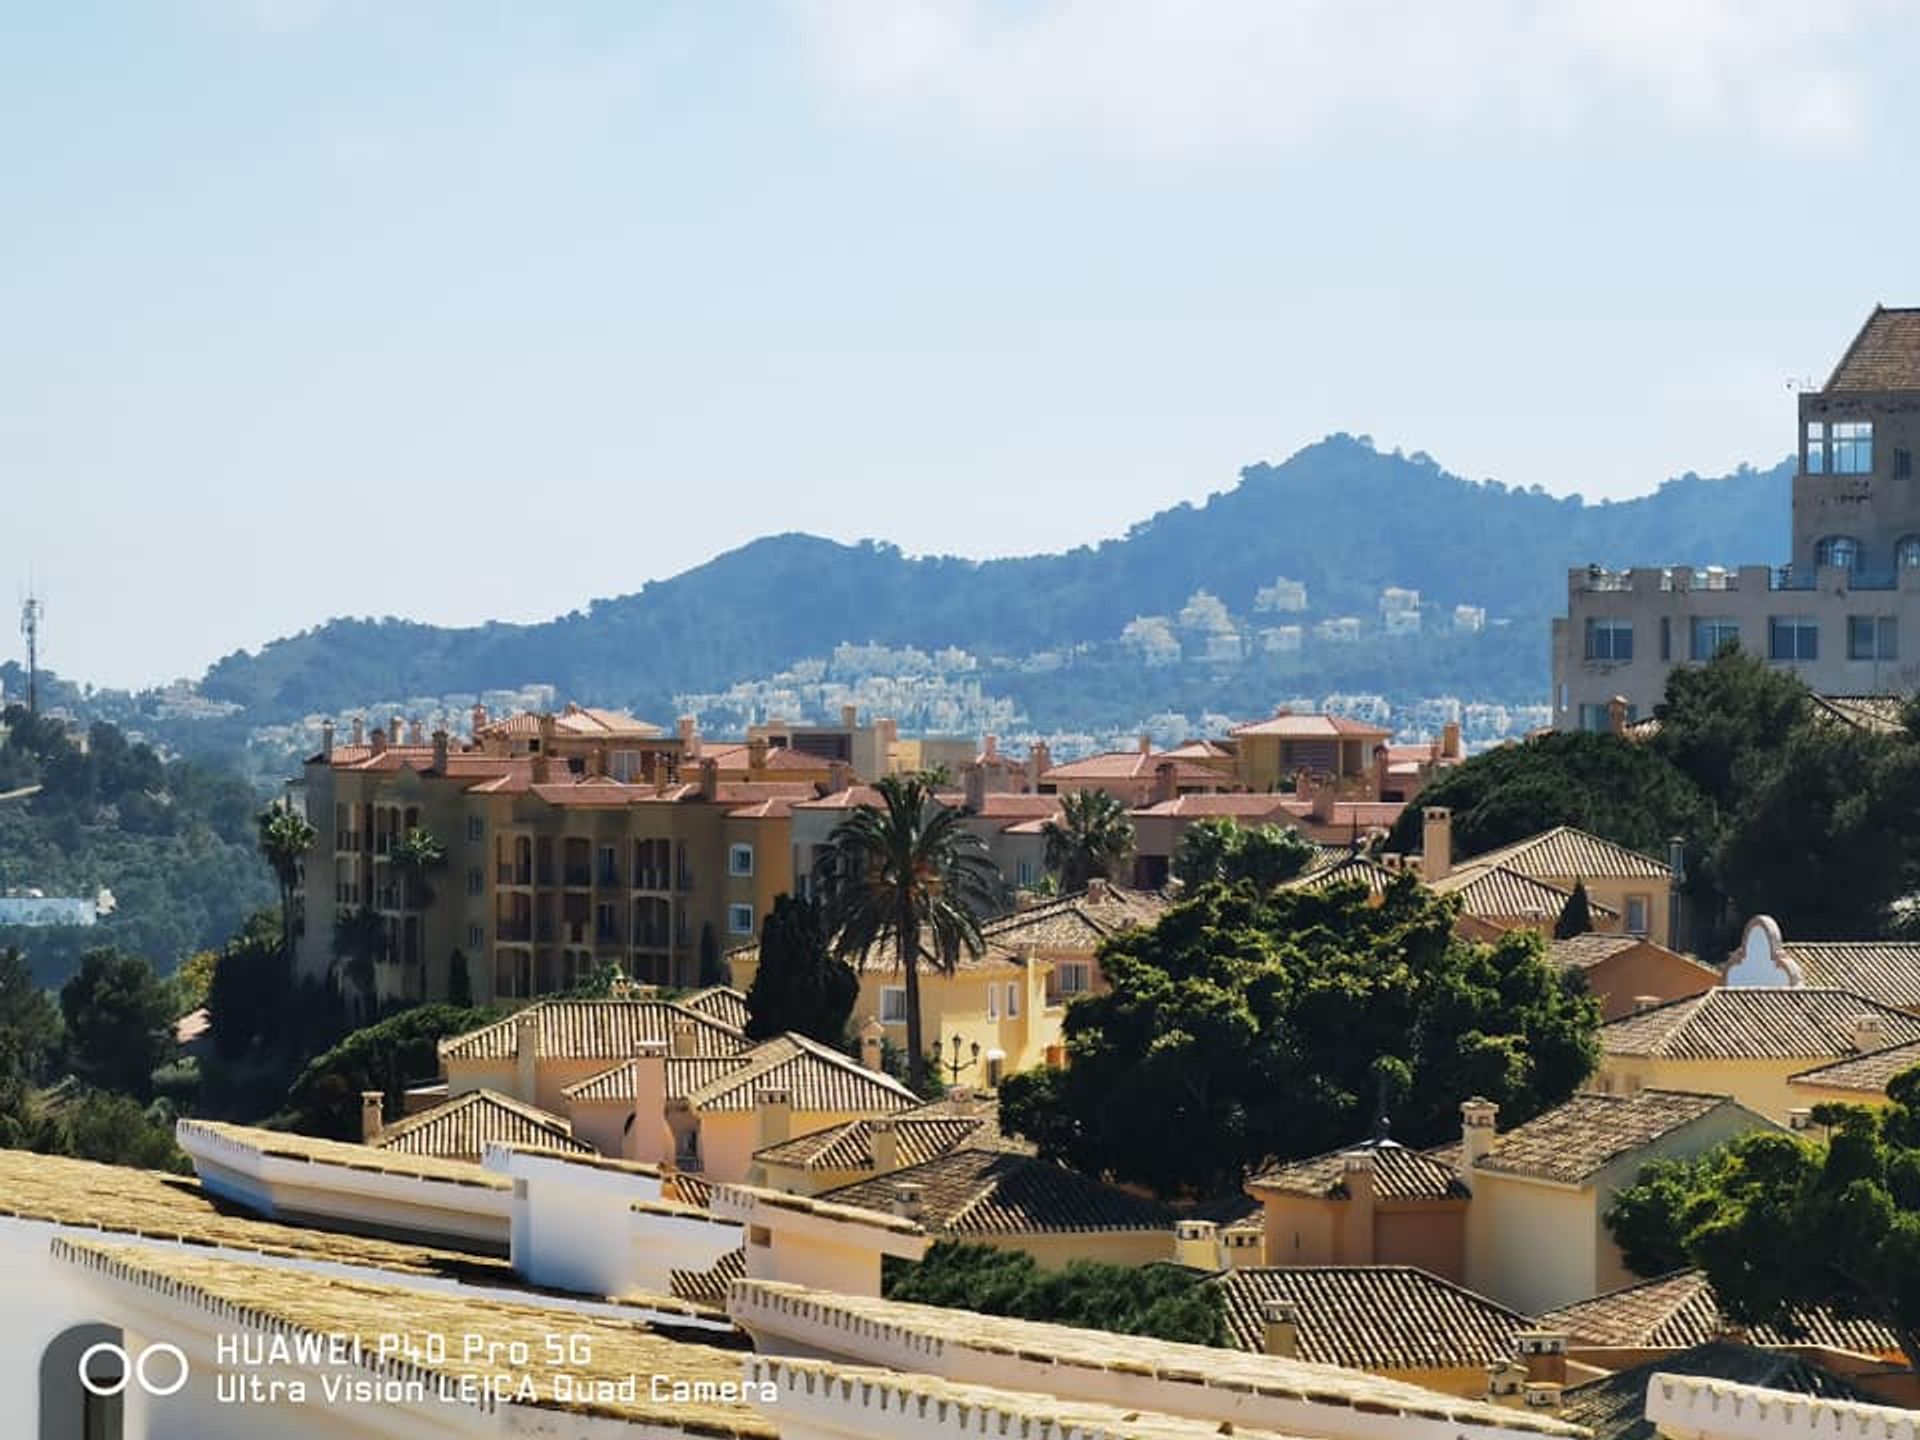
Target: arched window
[
  {"x": 1906, "y": 554},
  {"x": 69, "y": 1408},
  {"x": 1840, "y": 551}
]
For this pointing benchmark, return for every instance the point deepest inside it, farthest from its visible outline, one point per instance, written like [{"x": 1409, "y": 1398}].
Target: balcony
[
  {"x": 578, "y": 877},
  {"x": 513, "y": 875},
  {"x": 514, "y": 931}
]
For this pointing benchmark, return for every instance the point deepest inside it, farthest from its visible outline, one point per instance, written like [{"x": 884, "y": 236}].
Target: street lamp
[{"x": 953, "y": 1067}]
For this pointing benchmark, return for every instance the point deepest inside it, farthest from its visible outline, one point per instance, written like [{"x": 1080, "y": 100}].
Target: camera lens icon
[{"x": 131, "y": 1370}]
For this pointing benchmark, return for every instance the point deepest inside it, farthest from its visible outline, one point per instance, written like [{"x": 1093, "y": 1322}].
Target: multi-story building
[
  {"x": 1843, "y": 613},
  {"x": 570, "y": 841}
]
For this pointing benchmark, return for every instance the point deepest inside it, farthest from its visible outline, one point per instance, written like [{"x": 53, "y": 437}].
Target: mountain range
[{"x": 1340, "y": 516}]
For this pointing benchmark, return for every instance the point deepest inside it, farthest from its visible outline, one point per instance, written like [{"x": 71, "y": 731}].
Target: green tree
[
  {"x": 1218, "y": 851},
  {"x": 1204, "y": 849},
  {"x": 414, "y": 856},
  {"x": 245, "y": 995},
  {"x": 712, "y": 970},
  {"x": 459, "y": 982},
  {"x": 1246, "y": 1025},
  {"x": 28, "y": 1017},
  {"x": 910, "y": 877},
  {"x": 1576, "y": 916},
  {"x": 1089, "y": 841},
  {"x": 115, "y": 1129},
  {"x": 403, "y": 1049},
  {"x": 1780, "y": 1221},
  {"x": 285, "y": 839},
  {"x": 360, "y": 943},
  {"x": 119, "y": 1021},
  {"x": 1157, "y": 1300},
  {"x": 800, "y": 984}
]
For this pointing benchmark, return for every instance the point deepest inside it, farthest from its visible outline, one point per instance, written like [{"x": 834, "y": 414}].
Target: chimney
[
  {"x": 1196, "y": 1244},
  {"x": 1165, "y": 786},
  {"x": 359, "y": 731},
  {"x": 372, "y": 1104},
  {"x": 1544, "y": 1353},
  {"x": 883, "y": 1138},
  {"x": 1477, "y": 1120},
  {"x": 1541, "y": 1395},
  {"x": 990, "y": 748},
  {"x": 1099, "y": 890},
  {"x": 526, "y": 1057},
  {"x": 889, "y": 731},
  {"x": 1506, "y": 1380},
  {"x": 1644, "y": 1003},
  {"x": 1800, "y": 1118},
  {"x": 1450, "y": 741},
  {"x": 1146, "y": 744},
  {"x": 1282, "y": 1328},
  {"x": 1379, "y": 771},
  {"x": 650, "y": 1139},
  {"x": 684, "y": 1046},
  {"x": 326, "y": 738},
  {"x": 688, "y": 729},
  {"x": 709, "y": 779},
  {"x": 849, "y": 717},
  {"x": 1357, "y": 1218},
  {"x": 1617, "y": 715},
  {"x": 872, "y": 1047},
  {"x": 542, "y": 768},
  {"x": 1436, "y": 842},
  {"x": 1323, "y": 801},
  {"x": 774, "y": 1111},
  {"x": 395, "y": 736},
  {"x": 839, "y": 777},
  {"x": 440, "y": 747},
  {"x": 756, "y": 755},
  {"x": 973, "y": 780},
  {"x": 1039, "y": 761},
  {"x": 479, "y": 718},
  {"x": 416, "y": 732},
  {"x": 908, "y": 1200},
  {"x": 1869, "y": 1033}
]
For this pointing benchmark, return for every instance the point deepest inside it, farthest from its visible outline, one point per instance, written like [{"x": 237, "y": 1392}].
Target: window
[
  {"x": 1666, "y": 637},
  {"x": 607, "y": 866},
  {"x": 1872, "y": 637},
  {"x": 893, "y": 1004},
  {"x": 1023, "y": 874},
  {"x": 1793, "y": 637},
  {"x": 1906, "y": 554},
  {"x": 476, "y": 880},
  {"x": 993, "y": 1001},
  {"x": 476, "y": 829},
  {"x": 1712, "y": 634},
  {"x": 739, "y": 919},
  {"x": 1594, "y": 719},
  {"x": 1851, "y": 448},
  {"x": 1637, "y": 914},
  {"x": 1840, "y": 551},
  {"x": 1903, "y": 464},
  {"x": 476, "y": 938},
  {"x": 740, "y": 860},
  {"x": 1013, "y": 1000},
  {"x": 1609, "y": 640},
  {"x": 1073, "y": 977},
  {"x": 1816, "y": 448}
]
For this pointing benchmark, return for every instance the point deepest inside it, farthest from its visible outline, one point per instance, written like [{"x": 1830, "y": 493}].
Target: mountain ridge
[{"x": 1340, "y": 516}]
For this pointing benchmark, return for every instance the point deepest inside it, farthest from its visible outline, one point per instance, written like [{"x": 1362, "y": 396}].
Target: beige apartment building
[
  {"x": 571, "y": 841},
  {"x": 1842, "y": 613}
]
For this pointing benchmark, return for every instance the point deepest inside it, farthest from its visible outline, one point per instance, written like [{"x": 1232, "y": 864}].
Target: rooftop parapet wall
[{"x": 1703, "y": 1409}]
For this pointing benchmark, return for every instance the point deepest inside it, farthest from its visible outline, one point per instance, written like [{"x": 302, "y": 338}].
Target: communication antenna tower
[{"x": 30, "y": 611}]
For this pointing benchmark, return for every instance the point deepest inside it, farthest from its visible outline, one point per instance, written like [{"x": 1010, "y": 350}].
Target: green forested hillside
[
  {"x": 1339, "y": 515},
  {"x": 173, "y": 841}
]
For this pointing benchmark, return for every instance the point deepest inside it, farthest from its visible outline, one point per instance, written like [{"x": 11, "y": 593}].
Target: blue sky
[{"x": 476, "y": 310}]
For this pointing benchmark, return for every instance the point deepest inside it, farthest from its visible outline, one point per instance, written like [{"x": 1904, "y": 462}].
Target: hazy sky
[{"x": 482, "y": 310}]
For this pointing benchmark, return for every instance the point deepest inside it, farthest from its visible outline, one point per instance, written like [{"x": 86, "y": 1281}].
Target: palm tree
[
  {"x": 359, "y": 942},
  {"x": 1089, "y": 840},
  {"x": 285, "y": 838},
  {"x": 413, "y": 855},
  {"x": 908, "y": 875}
]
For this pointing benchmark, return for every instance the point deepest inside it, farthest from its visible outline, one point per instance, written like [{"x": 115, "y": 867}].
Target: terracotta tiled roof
[
  {"x": 709, "y": 1287},
  {"x": 594, "y": 1030},
  {"x": 1754, "y": 1023},
  {"x": 921, "y": 1137},
  {"x": 1200, "y": 750},
  {"x": 719, "y": 1002},
  {"x": 1680, "y": 1309},
  {"x": 1567, "y": 853},
  {"x": 1373, "y": 1317},
  {"x": 1880, "y": 714},
  {"x": 689, "y": 1189},
  {"x": 1883, "y": 970},
  {"x": 462, "y": 1128},
  {"x": 1132, "y": 765},
  {"x": 1077, "y": 922},
  {"x": 1312, "y": 727},
  {"x": 1583, "y": 952},
  {"x": 1348, "y": 869},
  {"x": 1347, "y": 814},
  {"x": 1614, "y": 1407},
  {"x": 1021, "y": 807},
  {"x": 1398, "y": 1174},
  {"x": 1867, "y": 1073},
  {"x": 1495, "y": 892},
  {"x": 1574, "y": 1141},
  {"x": 818, "y": 1078},
  {"x": 1249, "y": 809},
  {"x": 685, "y": 1074},
  {"x": 576, "y": 720},
  {"x": 992, "y": 1192},
  {"x": 1885, "y": 355}
]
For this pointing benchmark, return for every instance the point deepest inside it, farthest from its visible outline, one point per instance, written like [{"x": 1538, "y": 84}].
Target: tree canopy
[
  {"x": 1157, "y": 1300},
  {"x": 119, "y": 1020},
  {"x": 1090, "y": 839},
  {"x": 388, "y": 1056},
  {"x": 1245, "y": 1025},
  {"x": 1220, "y": 851},
  {"x": 801, "y": 984},
  {"x": 1779, "y": 1221}
]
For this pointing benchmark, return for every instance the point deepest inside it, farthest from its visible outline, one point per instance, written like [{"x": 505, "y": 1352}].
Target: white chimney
[
  {"x": 1196, "y": 1244},
  {"x": 1478, "y": 1118},
  {"x": 526, "y": 1057},
  {"x": 649, "y": 1138},
  {"x": 909, "y": 1201},
  {"x": 872, "y": 1044},
  {"x": 684, "y": 1041},
  {"x": 773, "y": 1109}
]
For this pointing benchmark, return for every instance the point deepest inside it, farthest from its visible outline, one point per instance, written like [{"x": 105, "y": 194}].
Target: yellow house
[
  {"x": 1011, "y": 1201},
  {"x": 1861, "y": 1080},
  {"x": 1379, "y": 1203},
  {"x": 1621, "y": 971},
  {"x": 1004, "y": 1006},
  {"x": 1747, "y": 1042},
  {"x": 1331, "y": 746}
]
